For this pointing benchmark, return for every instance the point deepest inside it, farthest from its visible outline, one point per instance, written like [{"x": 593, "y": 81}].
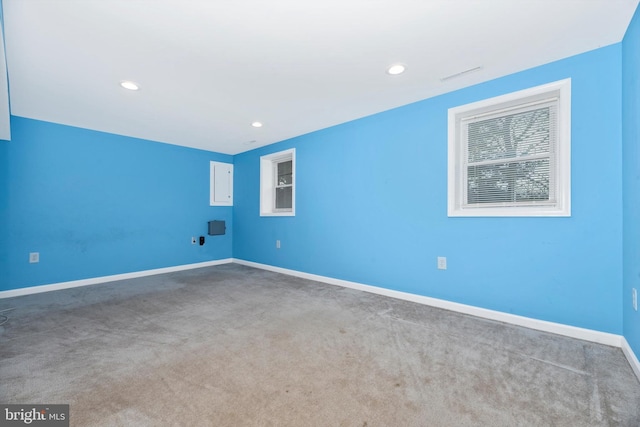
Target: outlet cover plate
[
  {"x": 34, "y": 257},
  {"x": 442, "y": 263}
]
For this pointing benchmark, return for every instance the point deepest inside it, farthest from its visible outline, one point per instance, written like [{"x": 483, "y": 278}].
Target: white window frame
[
  {"x": 560, "y": 172},
  {"x": 268, "y": 183}
]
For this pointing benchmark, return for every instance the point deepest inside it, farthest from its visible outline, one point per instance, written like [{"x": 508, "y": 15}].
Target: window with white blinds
[
  {"x": 510, "y": 156},
  {"x": 277, "y": 184},
  {"x": 283, "y": 170}
]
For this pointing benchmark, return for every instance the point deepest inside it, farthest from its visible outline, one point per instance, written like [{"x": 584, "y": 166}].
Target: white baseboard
[
  {"x": 631, "y": 357},
  {"x": 540, "y": 325},
  {"x": 95, "y": 280}
]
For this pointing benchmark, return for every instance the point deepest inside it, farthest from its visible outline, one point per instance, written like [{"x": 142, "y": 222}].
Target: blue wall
[
  {"x": 631, "y": 177},
  {"x": 96, "y": 204},
  {"x": 371, "y": 205},
  {"x": 372, "y": 208}
]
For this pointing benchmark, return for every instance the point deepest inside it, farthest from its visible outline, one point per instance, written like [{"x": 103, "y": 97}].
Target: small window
[
  {"x": 284, "y": 185},
  {"x": 510, "y": 155},
  {"x": 277, "y": 184}
]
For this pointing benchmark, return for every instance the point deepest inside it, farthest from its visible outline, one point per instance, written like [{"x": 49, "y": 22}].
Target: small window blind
[
  {"x": 509, "y": 156},
  {"x": 284, "y": 185}
]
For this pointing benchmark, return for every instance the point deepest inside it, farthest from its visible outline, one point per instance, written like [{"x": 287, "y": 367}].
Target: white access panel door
[{"x": 221, "y": 185}]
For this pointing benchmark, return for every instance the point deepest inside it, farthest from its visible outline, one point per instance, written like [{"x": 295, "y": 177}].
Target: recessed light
[
  {"x": 396, "y": 69},
  {"x": 256, "y": 124},
  {"x": 128, "y": 84}
]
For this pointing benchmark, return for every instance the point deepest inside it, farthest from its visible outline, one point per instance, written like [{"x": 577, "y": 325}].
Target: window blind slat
[
  {"x": 509, "y": 182},
  {"x": 510, "y": 136}
]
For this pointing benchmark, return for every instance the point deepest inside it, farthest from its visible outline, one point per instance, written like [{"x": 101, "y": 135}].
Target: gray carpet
[{"x": 236, "y": 346}]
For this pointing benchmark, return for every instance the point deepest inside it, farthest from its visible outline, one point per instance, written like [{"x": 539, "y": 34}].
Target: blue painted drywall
[
  {"x": 372, "y": 208},
  {"x": 96, "y": 204},
  {"x": 631, "y": 177}
]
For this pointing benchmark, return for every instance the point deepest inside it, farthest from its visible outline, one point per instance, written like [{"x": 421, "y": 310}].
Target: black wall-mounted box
[{"x": 217, "y": 228}]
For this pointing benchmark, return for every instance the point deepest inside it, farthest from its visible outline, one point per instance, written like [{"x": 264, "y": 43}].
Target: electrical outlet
[
  {"x": 193, "y": 240},
  {"x": 442, "y": 263},
  {"x": 634, "y": 298},
  {"x": 277, "y": 244},
  {"x": 34, "y": 257}
]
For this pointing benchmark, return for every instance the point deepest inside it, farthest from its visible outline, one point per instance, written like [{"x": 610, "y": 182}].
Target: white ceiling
[{"x": 209, "y": 68}]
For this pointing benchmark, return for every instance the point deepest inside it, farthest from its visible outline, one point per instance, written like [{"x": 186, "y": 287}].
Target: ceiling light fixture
[
  {"x": 128, "y": 84},
  {"x": 396, "y": 69},
  {"x": 256, "y": 124},
  {"x": 461, "y": 73}
]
